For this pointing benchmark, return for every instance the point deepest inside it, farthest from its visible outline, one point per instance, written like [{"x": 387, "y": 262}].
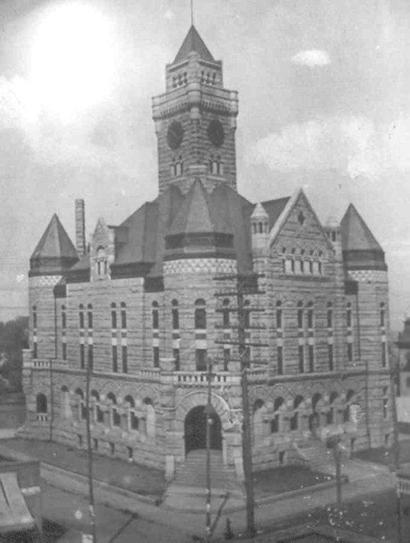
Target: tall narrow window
[
  {"x": 114, "y": 358},
  {"x": 300, "y": 315},
  {"x": 294, "y": 421},
  {"x": 330, "y": 356},
  {"x": 247, "y": 314},
  {"x": 200, "y": 357},
  {"x": 329, "y": 315},
  {"x": 175, "y": 353},
  {"x": 34, "y": 317},
  {"x": 385, "y": 402},
  {"x": 200, "y": 314},
  {"x": 64, "y": 350},
  {"x": 310, "y": 316},
  {"x": 63, "y": 318},
  {"x": 280, "y": 359},
  {"x": 155, "y": 316},
  {"x": 123, "y": 316},
  {"x": 35, "y": 350},
  {"x": 311, "y": 358},
  {"x": 82, "y": 356},
  {"x": 225, "y": 313},
  {"x": 227, "y": 356},
  {"x": 63, "y": 332},
  {"x": 155, "y": 355},
  {"x": 81, "y": 317},
  {"x": 384, "y": 354},
  {"x": 349, "y": 315},
  {"x": 382, "y": 314},
  {"x": 91, "y": 356},
  {"x": 124, "y": 359},
  {"x": 301, "y": 356},
  {"x": 90, "y": 316},
  {"x": 349, "y": 352},
  {"x": 113, "y": 316},
  {"x": 175, "y": 315},
  {"x": 279, "y": 315}
]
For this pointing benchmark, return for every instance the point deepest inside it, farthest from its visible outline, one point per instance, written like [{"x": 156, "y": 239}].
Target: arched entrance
[{"x": 195, "y": 430}]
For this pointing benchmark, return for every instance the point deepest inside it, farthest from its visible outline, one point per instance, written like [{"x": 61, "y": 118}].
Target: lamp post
[
  {"x": 90, "y": 457},
  {"x": 333, "y": 443},
  {"x": 208, "y": 413}
]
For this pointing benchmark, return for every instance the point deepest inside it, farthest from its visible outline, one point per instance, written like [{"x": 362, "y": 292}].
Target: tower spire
[{"x": 192, "y": 12}]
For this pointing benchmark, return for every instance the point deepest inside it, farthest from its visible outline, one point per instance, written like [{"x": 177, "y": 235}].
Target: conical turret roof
[
  {"x": 361, "y": 250},
  {"x": 55, "y": 250},
  {"x": 193, "y": 43}
]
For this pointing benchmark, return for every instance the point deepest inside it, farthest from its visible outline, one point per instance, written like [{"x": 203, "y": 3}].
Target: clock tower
[{"x": 195, "y": 120}]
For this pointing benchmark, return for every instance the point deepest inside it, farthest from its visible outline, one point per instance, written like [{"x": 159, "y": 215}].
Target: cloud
[
  {"x": 311, "y": 58},
  {"x": 353, "y": 145}
]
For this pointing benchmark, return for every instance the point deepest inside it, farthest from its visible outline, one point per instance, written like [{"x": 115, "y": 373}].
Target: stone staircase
[{"x": 188, "y": 488}]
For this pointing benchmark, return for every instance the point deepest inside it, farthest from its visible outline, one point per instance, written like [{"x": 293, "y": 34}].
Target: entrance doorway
[{"x": 195, "y": 430}]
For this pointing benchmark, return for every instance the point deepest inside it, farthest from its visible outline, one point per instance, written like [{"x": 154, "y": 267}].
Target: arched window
[
  {"x": 133, "y": 420},
  {"x": 329, "y": 315},
  {"x": 314, "y": 418},
  {"x": 175, "y": 315},
  {"x": 346, "y": 411},
  {"x": 155, "y": 316},
  {"x": 65, "y": 403},
  {"x": 41, "y": 403},
  {"x": 113, "y": 316},
  {"x": 90, "y": 315},
  {"x": 98, "y": 412},
  {"x": 200, "y": 314},
  {"x": 115, "y": 416},
  {"x": 102, "y": 263},
  {"x": 225, "y": 313},
  {"x": 259, "y": 410},
  {"x": 275, "y": 422},
  {"x": 150, "y": 417},
  {"x": 123, "y": 316},
  {"x": 278, "y": 315},
  {"x": 294, "y": 421},
  {"x": 246, "y": 314},
  {"x": 82, "y": 412},
  {"x": 330, "y": 415}
]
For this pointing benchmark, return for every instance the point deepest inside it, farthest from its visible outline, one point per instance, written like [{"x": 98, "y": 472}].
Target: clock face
[
  {"x": 216, "y": 133},
  {"x": 175, "y": 134}
]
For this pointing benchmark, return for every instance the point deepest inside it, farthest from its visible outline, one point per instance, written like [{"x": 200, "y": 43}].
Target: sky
[{"x": 324, "y": 90}]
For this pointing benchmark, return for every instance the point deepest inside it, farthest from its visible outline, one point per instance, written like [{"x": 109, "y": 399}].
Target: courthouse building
[{"x": 138, "y": 302}]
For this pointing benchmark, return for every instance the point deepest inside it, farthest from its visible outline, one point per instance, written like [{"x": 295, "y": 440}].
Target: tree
[{"x": 13, "y": 338}]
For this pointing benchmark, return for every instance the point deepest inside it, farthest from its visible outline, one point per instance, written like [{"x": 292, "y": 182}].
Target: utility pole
[
  {"x": 90, "y": 453},
  {"x": 394, "y": 378},
  {"x": 244, "y": 285},
  {"x": 208, "y": 413}
]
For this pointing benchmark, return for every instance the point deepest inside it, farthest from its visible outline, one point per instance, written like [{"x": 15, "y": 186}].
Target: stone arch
[{"x": 197, "y": 398}]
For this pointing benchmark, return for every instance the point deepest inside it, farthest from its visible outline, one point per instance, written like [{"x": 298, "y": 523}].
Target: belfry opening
[{"x": 195, "y": 430}]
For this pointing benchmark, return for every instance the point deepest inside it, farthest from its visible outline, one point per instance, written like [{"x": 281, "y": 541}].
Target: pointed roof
[
  {"x": 55, "y": 242},
  {"x": 197, "y": 215},
  {"x": 361, "y": 250},
  {"x": 259, "y": 212},
  {"x": 356, "y": 235},
  {"x": 55, "y": 250},
  {"x": 193, "y": 43}
]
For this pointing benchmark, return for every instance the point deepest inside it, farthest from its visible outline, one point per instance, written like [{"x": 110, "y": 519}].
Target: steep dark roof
[
  {"x": 274, "y": 209},
  {"x": 198, "y": 214},
  {"x": 361, "y": 250},
  {"x": 55, "y": 242},
  {"x": 193, "y": 43},
  {"x": 55, "y": 251},
  {"x": 404, "y": 337}
]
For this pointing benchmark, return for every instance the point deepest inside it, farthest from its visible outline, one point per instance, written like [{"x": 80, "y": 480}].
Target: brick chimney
[{"x": 80, "y": 227}]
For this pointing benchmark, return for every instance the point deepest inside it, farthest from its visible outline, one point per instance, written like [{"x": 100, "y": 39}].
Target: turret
[{"x": 259, "y": 230}]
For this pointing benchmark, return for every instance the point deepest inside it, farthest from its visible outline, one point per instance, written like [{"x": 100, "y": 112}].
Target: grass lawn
[
  {"x": 278, "y": 480},
  {"x": 386, "y": 456},
  {"x": 147, "y": 481}
]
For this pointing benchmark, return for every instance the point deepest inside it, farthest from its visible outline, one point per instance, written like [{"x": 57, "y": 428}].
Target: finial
[{"x": 192, "y": 12}]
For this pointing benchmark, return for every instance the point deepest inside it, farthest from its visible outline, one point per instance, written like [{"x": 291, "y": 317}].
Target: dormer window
[{"x": 102, "y": 262}]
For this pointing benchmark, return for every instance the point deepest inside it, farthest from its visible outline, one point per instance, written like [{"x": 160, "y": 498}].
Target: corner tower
[{"x": 195, "y": 119}]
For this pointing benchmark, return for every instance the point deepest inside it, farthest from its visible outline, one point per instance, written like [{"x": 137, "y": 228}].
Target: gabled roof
[
  {"x": 55, "y": 242},
  {"x": 193, "y": 43},
  {"x": 198, "y": 215},
  {"x": 274, "y": 209},
  {"x": 356, "y": 235}
]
